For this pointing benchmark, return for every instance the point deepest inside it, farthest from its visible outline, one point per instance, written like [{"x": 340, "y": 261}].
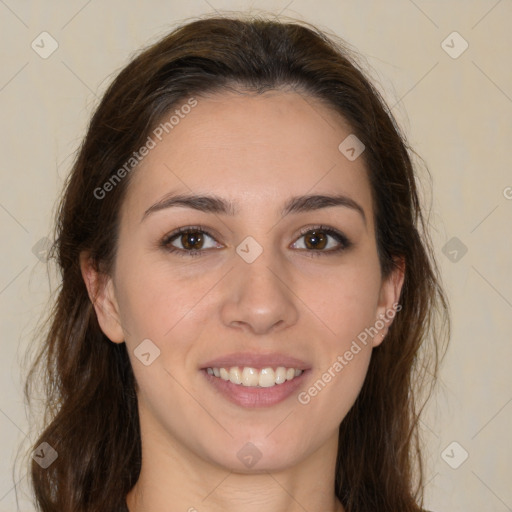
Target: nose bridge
[
  {"x": 264, "y": 275},
  {"x": 258, "y": 296}
]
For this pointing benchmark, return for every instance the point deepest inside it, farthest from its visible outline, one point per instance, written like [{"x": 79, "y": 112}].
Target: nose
[{"x": 259, "y": 297}]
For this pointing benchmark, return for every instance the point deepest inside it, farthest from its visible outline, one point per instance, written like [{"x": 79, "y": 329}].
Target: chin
[{"x": 256, "y": 455}]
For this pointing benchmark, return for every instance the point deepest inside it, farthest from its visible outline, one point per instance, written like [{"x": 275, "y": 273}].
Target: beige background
[{"x": 456, "y": 112}]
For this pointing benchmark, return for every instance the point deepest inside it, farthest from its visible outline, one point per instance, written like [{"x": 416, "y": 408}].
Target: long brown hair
[{"x": 91, "y": 418}]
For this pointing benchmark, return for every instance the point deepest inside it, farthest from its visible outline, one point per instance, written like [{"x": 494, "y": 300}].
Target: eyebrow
[{"x": 216, "y": 204}]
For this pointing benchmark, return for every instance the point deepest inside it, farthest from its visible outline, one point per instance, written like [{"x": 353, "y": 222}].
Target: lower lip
[{"x": 248, "y": 396}]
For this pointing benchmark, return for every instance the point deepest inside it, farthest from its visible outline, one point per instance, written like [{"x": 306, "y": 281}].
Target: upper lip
[{"x": 257, "y": 361}]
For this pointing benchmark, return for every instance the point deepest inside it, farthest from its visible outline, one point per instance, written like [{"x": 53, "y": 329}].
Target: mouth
[
  {"x": 250, "y": 387},
  {"x": 254, "y": 377},
  {"x": 255, "y": 380}
]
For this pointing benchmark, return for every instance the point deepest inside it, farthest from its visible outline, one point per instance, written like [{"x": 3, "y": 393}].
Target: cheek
[
  {"x": 337, "y": 380},
  {"x": 154, "y": 298},
  {"x": 346, "y": 305},
  {"x": 346, "y": 300}
]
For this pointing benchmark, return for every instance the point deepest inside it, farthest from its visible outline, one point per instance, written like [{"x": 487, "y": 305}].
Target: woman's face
[{"x": 256, "y": 293}]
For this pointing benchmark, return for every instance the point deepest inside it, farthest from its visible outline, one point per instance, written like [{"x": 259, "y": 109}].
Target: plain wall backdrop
[{"x": 446, "y": 69}]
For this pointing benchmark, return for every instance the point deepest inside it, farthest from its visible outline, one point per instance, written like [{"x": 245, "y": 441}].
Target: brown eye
[
  {"x": 315, "y": 240},
  {"x": 189, "y": 241},
  {"x": 192, "y": 240}
]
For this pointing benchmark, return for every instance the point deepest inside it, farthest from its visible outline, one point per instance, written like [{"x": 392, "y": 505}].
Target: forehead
[{"x": 255, "y": 150}]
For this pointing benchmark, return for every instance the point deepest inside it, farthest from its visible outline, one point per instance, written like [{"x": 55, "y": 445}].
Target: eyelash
[{"x": 344, "y": 242}]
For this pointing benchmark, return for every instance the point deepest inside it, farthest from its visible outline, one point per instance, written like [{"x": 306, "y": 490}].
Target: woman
[{"x": 250, "y": 304}]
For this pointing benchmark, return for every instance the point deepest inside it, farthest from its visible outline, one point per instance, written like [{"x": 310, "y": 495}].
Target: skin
[{"x": 256, "y": 151}]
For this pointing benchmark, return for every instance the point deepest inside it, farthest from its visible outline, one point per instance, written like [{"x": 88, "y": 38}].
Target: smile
[
  {"x": 247, "y": 390},
  {"x": 252, "y": 377}
]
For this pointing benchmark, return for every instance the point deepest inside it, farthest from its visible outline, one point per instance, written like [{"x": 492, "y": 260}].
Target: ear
[
  {"x": 100, "y": 288},
  {"x": 389, "y": 296}
]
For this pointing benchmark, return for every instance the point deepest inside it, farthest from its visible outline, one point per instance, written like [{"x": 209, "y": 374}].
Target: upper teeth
[{"x": 265, "y": 378}]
